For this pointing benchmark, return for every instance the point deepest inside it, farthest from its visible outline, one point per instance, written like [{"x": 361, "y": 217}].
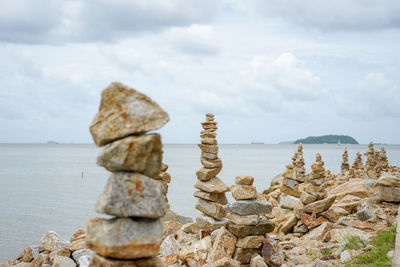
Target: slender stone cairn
[
  {"x": 383, "y": 163},
  {"x": 165, "y": 178},
  {"x": 345, "y": 163},
  {"x": 294, "y": 174},
  {"x": 357, "y": 166},
  {"x": 211, "y": 194},
  {"x": 134, "y": 194},
  {"x": 317, "y": 176},
  {"x": 244, "y": 220},
  {"x": 371, "y": 161}
]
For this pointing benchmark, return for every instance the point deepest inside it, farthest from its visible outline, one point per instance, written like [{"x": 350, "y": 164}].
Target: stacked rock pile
[
  {"x": 133, "y": 194},
  {"x": 211, "y": 195},
  {"x": 357, "y": 166},
  {"x": 294, "y": 174},
  {"x": 383, "y": 164},
  {"x": 317, "y": 176},
  {"x": 371, "y": 155},
  {"x": 245, "y": 224},
  {"x": 165, "y": 178},
  {"x": 345, "y": 162}
]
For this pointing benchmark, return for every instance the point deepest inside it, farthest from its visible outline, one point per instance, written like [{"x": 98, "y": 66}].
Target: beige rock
[
  {"x": 321, "y": 205},
  {"x": 258, "y": 261},
  {"x": 209, "y": 224},
  {"x": 65, "y": 252},
  {"x": 244, "y": 255},
  {"x": 29, "y": 253},
  {"x": 142, "y": 154},
  {"x": 298, "y": 209},
  {"x": 62, "y": 261},
  {"x": 334, "y": 213},
  {"x": 389, "y": 194},
  {"x": 77, "y": 241},
  {"x": 271, "y": 253},
  {"x": 208, "y": 134},
  {"x": 209, "y": 125},
  {"x": 291, "y": 183},
  {"x": 215, "y": 185},
  {"x": 52, "y": 241},
  {"x": 191, "y": 228},
  {"x": 209, "y": 208},
  {"x": 249, "y": 207},
  {"x": 319, "y": 232},
  {"x": 261, "y": 228},
  {"x": 215, "y": 197},
  {"x": 171, "y": 227},
  {"x": 204, "y": 174},
  {"x": 349, "y": 203},
  {"x": 307, "y": 198},
  {"x": 169, "y": 246},
  {"x": 208, "y": 141},
  {"x": 288, "y": 225},
  {"x": 288, "y": 202},
  {"x": 213, "y": 149},
  {"x": 341, "y": 235},
  {"x": 201, "y": 249},
  {"x": 211, "y": 163},
  {"x": 244, "y": 179},
  {"x": 253, "y": 241},
  {"x": 226, "y": 262},
  {"x": 124, "y": 111},
  {"x": 240, "y": 192},
  {"x": 320, "y": 220},
  {"x": 289, "y": 191},
  {"x": 354, "y": 188},
  {"x": 124, "y": 238},
  {"x": 388, "y": 180},
  {"x": 242, "y": 219},
  {"x": 306, "y": 219},
  {"x": 128, "y": 194},
  {"x": 107, "y": 262},
  {"x": 224, "y": 246},
  {"x": 208, "y": 155}
]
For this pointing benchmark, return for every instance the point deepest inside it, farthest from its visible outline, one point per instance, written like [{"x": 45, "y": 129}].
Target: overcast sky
[{"x": 269, "y": 70}]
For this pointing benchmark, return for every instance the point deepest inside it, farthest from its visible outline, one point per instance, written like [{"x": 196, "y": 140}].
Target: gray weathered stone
[
  {"x": 52, "y": 241},
  {"x": 124, "y": 111},
  {"x": 209, "y": 224},
  {"x": 210, "y": 208},
  {"x": 142, "y": 154},
  {"x": 249, "y": 207},
  {"x": 78, "y": 254},
  {"x": 261, "y": 228},
  {"x": 124, "y": 238},
  {"x": 129, "y": 194}
]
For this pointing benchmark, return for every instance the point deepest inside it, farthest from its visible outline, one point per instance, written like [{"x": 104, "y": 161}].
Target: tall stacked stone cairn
[
  {"x": 245, "y": 224},
  {"x": 357, "y": 168},
  {"x": 317, "y": 175},
  {"x": 211, "y": 190},
  {"x": 345, "y": 162},
  {"x": 383, "y": 163},
  {"x": 134, "y": 193},
  {"x": 294, "y": 174},
  {"x": 371, "y": 162}
]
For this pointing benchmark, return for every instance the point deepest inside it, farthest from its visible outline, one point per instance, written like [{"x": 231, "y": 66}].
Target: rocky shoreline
[{"x": 302, "y": 219}]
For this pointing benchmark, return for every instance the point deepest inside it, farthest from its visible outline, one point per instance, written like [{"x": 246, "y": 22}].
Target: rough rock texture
[
  {"x": 252, "y": 241},
  {"x": 258, "y": 261},
  {"x": 249, "y": 207},
  {"x": 77, "y": 255},
  {"x": 52, "y": 241},
  {"x": 244, "y": 180},
  {"x": 169, "y": 246},
  {"x": 389, "y": 194},
  {"x": 61, "y": 261},
  {"x": 224, "y": 245},
  {"x": 243, "y": 255},
  {"x": 209, "y": 208},
  {"x": 124, "y": 111},
  {"x": 225, "y": 262},
  {"x": 124, "y": 238},
  {"x": 216, "y": 197},
  {"x": 142, "y": 154},
  {"x": 242, "y": 192},
  {"x": 243, "y": 220},
  {"x": 271, "y": 253},
  {"x": 208, "y": 223},
  {"x": 321, "y": 205},
  {"x": 204, "y": 174},
  {"x": 261, "y": 228},
  {"x": 215, "y": 185},
  {"x": 129, "y": 194},
  {"x": 99, "y": 261}
]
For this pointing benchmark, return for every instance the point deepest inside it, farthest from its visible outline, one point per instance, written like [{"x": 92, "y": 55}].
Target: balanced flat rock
[
  {"x": 124, "y": 111},
  {"x": 129, "y": 194},
  {"x": 124, "y": 238},
  {"x": 215, "y": 185},
  {"x": 141, "y": 154},
  {"x": 106, "y": 262},
  {"x": 249, "y": 207},
  {"x": 205, "y": 174},
  {"x": 216, "y": 197},
  {"x": 261, "y": 228},
  {"x": 210, "y": 208}
]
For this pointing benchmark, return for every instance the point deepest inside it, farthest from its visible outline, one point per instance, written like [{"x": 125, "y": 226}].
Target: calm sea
[{"x": 54, "y": 187}]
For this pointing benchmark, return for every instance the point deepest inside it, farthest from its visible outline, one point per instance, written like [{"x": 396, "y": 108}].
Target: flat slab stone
[
  {"x": 243, "y": 219},
  {"x": 206, "y": 174},
  {"x": 213, "y": 149},
  {"x": 261, "y": 228},
  {"x": 389, "y": 194},
  {"x": 249, "y": 207},
  {"x": 124, "y": 111},
  {"x": 210, "y": 208},
  {"x": 141, "y": 154},
  {"x": 215, "y": 197},
  {"x": 106, "y": 262},
  {"x": 128, "y": 194},
  {"x": 321, "y": 205},
  {"x": 211, "y": 163},
  {"x": 208, "y": 223},
  {"x": 214, "y": 185},
  {"x": 252, "y": 241},
  {"x": 241, "y": 192},
  {"x": 124, "y": 238},
  {"x": 244, "y": 179}
]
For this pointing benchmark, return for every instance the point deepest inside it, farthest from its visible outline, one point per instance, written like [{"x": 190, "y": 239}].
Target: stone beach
[{"x": 292, "y": 223}]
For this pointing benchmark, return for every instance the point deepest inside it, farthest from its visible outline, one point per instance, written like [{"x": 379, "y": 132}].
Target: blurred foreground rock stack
[
  {"x": 134, "y": 194},
  {"x": 211, "y": 190}
]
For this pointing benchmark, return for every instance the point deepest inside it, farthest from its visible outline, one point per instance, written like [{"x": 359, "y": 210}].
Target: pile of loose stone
[
  {"x": 211, "y": 195},
  {"x": 134, "y": 193}
]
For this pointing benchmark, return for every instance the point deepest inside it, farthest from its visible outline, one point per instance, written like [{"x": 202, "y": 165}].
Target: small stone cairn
[
  {"x": 371, "y": 162},
  {"x": 357, "y": 167},
  {"x": 317, "y": 176},
  {"x": 294, "y": 174},
  {"x": 211, "y": 194},
  {"x": 245, "y": 224},
  {"x": 345, "y": 162},
  {"x": 383, "y": 163},
  {"x": 134, "y": 193}
]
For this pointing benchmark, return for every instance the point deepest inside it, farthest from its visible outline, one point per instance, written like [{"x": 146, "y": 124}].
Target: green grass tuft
[
  {"x": 326, "y": 251},
  {"x": 353, "y": 242},
  {"x": 383, "y": 242}
]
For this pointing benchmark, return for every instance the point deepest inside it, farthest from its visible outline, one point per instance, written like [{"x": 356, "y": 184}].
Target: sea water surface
[{"x": 55, "y": 187}]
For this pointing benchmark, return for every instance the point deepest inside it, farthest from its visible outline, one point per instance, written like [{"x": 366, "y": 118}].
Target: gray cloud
[
  {"x": 60, "y": 21},
  {"x": 333, "y": 15}
]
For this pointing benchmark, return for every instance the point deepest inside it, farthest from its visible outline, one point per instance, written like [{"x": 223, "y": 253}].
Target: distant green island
[{"x": 327, "y": 139}]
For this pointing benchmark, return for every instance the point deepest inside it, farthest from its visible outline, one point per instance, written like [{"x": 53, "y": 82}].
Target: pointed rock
[{"x": 124, "y": 111}]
